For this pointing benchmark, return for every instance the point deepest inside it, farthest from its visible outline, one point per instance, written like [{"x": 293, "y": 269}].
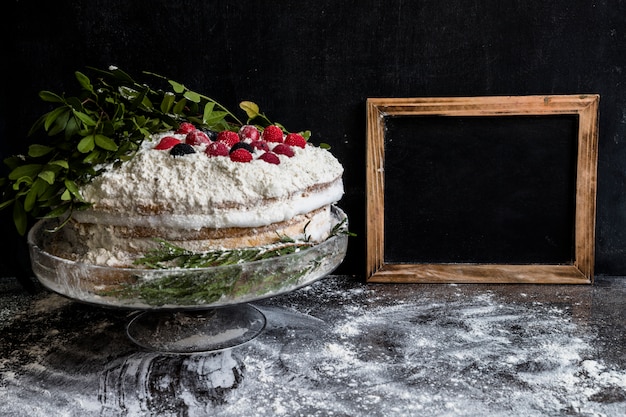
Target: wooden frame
[{"x": 579, "y": 272}]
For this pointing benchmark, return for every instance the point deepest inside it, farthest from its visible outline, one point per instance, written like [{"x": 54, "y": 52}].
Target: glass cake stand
[{"x": 186, "y": 310}]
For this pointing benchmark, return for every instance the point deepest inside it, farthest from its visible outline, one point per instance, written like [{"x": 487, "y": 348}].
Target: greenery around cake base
[{"x": 201, "y": 278}]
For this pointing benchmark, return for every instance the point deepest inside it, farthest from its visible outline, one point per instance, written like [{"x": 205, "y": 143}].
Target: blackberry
[
  {"x": 212, "y": 134},
  {"x": 182, "y": 149},
  {"x": 242, "y": 145}
]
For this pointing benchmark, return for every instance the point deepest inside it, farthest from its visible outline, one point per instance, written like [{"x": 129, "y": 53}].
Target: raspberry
[
  {"x": 240, "y": 155},
  {"x": 228, "y": 137},
  {"x": 167, "y": 142},
  {"x": 185, "y": 127},
  {"x": 197, "y": 137},
  {"x": 282, "y": 149},
  {"x": 182, "y": 149},
  {"x": 295, "y": 139},
  {"x": 273, "y": 133},
  {"x": 249, "y": 132},
  {"x": 260, "y": 145},
  {"x": 216, "y": 149},
  {"x": 270, "y": 158}
]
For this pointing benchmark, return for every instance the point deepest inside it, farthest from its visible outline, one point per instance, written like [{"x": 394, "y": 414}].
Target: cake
[
  {"x": 161, "y": 196},
  {"x": 243, "y": 189}
]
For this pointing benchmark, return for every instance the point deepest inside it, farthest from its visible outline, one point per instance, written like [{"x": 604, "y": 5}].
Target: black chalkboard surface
[
  {"x": 480, "y": 189},
  {"x": 484, "y": 189}
]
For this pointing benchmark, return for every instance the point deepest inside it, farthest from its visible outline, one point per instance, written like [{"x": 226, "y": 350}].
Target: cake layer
[{"x": 120, "y": 245}]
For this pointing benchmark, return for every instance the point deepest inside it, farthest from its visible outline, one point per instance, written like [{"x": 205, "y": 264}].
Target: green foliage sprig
[
  {"x": 105, "y": 123},
  {"x": 168, "y": 255}
]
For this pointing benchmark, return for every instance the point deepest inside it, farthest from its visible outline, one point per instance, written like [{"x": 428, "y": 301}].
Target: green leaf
[
  {"x": 92, "y": 158},
  {"x": 251, "y": 109},
  {"x": 86, "y": 119},
  {"x": 73, "y": 189},
  {"x": 105, "y": 143},
  {"x": 36, "y": 151},
  {"x": 60, "y": 123},
  {"x": 178, "y": 87},
  {"x": 84, "y": 81},
  {"x": 52, "y": 116},
  {"x": 17, "y": 185},
  {"x": 38, "y": 188},
  {"x": 58, "y": 211},
  {"x": 167, "y": 102},
  {"x": 19, "y": 218},
  {"x": 208, "y": 109},
  {"x": 66, "y": 196},
  {"x": 50, "y": 97},
  {"x": 215, "y": 117},
  {"x": 71, "y": 128},
  {"x": 61, "y": 163},
  {"x": 28, "y": 170},
  {"x": 6, "y": 203},
  {"x": 47, "y": 176},
  {"x": 86, "y": 144},
  {"x": 191, "y": 96},
  {"x": 180, "y": 106}
]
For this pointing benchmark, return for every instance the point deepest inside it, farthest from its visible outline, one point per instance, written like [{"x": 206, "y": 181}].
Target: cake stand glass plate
[{"x": 186, "y": 310}]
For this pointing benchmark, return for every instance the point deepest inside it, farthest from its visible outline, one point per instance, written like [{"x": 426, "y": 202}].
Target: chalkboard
[{"x": 483, "y": 189}]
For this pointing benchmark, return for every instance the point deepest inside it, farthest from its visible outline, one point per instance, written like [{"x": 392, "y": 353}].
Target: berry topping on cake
[
  {"x": 249, "y": 132},
  {"x": 185, "y": 127},
  {"x": 167, "y": 142},
  {"x": 295, "y": 139},
  {"x": 212, "y": 134},
  {"x": 197, "y": 137},
  {"x": 216, "y": 149},
  {"x": 273, "y": 133},
  {"x": 182, "y": 149},
  {"x": 242, "y": 145},
  {"x": 228, "y": 137},
  {"x": 260, "y": 145},
  {"x": 241, "y": 155},
  {"x": 270, "y": 157},
  {"x": 282, "y": 149}
]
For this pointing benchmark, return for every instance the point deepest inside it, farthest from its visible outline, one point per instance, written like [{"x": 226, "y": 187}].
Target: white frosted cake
[{"x": 235, "y": 190}]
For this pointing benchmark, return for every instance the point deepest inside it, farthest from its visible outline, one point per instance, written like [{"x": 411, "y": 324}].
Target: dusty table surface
[{"x": 339, "y": 347}]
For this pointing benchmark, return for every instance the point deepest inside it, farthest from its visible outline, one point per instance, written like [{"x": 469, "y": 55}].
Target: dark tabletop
[{"x": 339, "y": 347}]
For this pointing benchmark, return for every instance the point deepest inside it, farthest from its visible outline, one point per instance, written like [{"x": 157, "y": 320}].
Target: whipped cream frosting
[{"x": 194, "y": 190}]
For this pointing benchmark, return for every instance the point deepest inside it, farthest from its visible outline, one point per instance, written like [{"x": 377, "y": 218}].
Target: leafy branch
[
  {"x": 168, "y": 255},
  {"x": 104, "y": 123}
]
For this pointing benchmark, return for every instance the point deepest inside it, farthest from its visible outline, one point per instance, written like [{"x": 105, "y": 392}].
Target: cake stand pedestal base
[{"x": 197, "y": 331}]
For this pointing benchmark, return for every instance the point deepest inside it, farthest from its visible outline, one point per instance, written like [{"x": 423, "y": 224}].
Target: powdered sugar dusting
[{"x": 332, "y": 349}]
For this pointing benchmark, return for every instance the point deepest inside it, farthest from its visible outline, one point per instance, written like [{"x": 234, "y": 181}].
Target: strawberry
[
  {"x": 228, "y": 137},
  {"x": 273, "y": 133},
  {"x": 295, "y": 139},
  {"x": 197, "y": 137},
  {"x": 270, "y": 157},
  {"x": 216, "y": 149},
  {"x": 282, "y": 149},
  {"x": 240, "y": 155},
  {"x": 185, "y": 127},
  {"x": 249, "y": 132},
  {"x": 167, "y": 142}
]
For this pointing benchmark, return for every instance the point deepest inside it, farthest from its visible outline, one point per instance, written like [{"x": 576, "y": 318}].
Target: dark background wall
[{"x": 312, "y": 64}]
